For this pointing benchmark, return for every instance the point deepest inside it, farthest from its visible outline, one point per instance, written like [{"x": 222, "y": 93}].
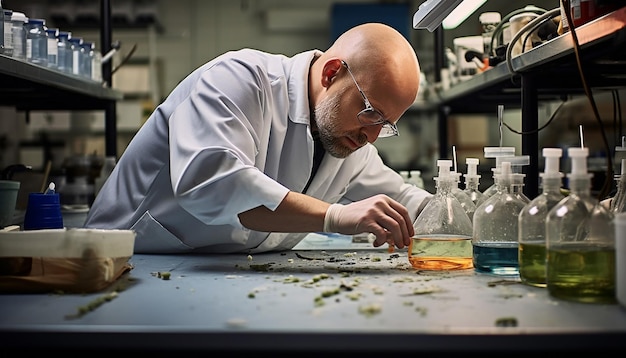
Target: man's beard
[{"x": 327, "y": 119}]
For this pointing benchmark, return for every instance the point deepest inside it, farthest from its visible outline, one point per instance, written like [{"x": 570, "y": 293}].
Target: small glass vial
[
  {"x": 532, "y": 222},
  {"x": 64, "y": 63},
  {"x": 77, "y": 54},
  {"x": 494, "y": 240},
  {"x": 580, "y": 241},
  {"x": 7, "y": 34},
  {"x": 53, "y": 47},
  {"x": 443, "y": 231},
  {"x": 18, "y": 19},
  {"x": 36, "y": 42}
]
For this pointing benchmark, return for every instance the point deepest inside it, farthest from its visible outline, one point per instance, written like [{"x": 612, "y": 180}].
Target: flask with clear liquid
[
  {"x": 472, "y": 181},
  {"x": 532, "y": 222},
  {"x": 494, "y": 239},
  {"x": 443, "y": 231},
  {"x": 580, "y": 241}
]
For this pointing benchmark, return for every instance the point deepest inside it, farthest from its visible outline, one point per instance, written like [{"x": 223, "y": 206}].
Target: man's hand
[{"x": 380, "y": 215}]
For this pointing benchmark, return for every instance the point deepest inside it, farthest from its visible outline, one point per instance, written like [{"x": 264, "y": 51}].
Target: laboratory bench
[{"x": 329, "y": 295}]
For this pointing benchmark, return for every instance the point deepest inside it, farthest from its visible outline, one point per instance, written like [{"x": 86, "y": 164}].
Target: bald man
[{"x": 252, "y": 151}]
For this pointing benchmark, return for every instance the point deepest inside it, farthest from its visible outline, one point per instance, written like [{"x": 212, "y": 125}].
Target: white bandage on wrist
[{"x": 331, "y": 217}]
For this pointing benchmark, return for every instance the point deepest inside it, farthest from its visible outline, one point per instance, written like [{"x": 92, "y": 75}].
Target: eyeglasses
[{"x": 370, "y": 115}]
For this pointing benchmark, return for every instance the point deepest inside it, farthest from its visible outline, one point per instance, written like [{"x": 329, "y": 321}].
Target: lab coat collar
[{"x": 298, "y": 88}]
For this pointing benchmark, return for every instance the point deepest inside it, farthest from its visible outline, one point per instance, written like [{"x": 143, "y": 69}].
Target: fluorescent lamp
[
  {"x": 462, "y": 12},
  {"x": 431, "y": 13}
]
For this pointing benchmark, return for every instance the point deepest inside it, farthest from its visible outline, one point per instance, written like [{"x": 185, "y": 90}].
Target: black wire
[
  {"x": 540, "y": 128},
  {"x": 608, "y": 181},
  {"x": 125, "y": 59}
]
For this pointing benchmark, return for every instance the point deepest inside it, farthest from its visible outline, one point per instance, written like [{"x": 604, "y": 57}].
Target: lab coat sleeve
[
  {"x": 373, "y": 177},
  {"x": 215, "y": 137}
]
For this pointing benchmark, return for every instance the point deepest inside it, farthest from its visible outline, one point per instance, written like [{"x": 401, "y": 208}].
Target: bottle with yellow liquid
[
  {"x": 443, "y": 231},
  {"x": 581, "y": 241},
  {"x": 532, "y": 222}
]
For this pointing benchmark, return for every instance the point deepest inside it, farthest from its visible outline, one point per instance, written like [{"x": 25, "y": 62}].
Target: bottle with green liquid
[
  {"x": 580, "y": 241},
  {"x": 532, "y": 221}
]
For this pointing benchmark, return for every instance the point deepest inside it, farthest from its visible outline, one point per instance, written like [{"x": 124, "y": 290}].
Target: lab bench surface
[{"x": 336, "y": 299}]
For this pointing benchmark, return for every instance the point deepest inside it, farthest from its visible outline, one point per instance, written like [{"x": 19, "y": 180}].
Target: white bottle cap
[
  {"x": 551, "y": 168},
  {"x": 491, "y": 17},
  {"x": 472, "y": 165},
  {"x": 578, "y": 157},
  {"x": 444, "y": 167},
  {"x": 494, "y": 152}
]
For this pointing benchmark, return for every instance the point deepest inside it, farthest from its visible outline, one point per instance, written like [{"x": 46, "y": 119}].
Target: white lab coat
[{"x": 233, "y": 135}]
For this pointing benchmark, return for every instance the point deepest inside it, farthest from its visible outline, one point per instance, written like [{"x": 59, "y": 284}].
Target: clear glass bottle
[
  {"x": 580, "y": 241},
  {"x": 415, "y": 176},
  {"x": 7, "y": 35},
  {"x": 53, "y": 47},
  {"x": 472, "y": 182},
  {"x": 96, "y": 66},
  {"x": 466, "y": 202},
  {"x": 36, "y": 42},
  {"x": 77, "y": 54},
  {"x": 532, "y": 221},
  {"x": 86, "y": 63},
  {"x": 64, "y": 63},
  {"x": 18, "y": 19},
  {"x": 443, "y": 231},
  {"x": 494, "y": 239}
]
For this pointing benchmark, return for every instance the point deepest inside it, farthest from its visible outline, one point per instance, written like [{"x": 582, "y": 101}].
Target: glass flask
[
  {"x": 498, "y": 153},
  {"x": 494, "y": 239},
  {"x": 580, "y": 241},
  {"x": 472, "y": 181},
  {"x": 443, "y": 231},
  {"x": 466, "y": 202},
  {"x": 532, "y": 221}
]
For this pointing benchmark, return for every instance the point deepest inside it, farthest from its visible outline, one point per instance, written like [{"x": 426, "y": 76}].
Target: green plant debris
[
  {"x": 370, "y": 309},
  {"x": 251, "y": 295},
  {"x": 376, "y": 259},
  {"x": 163, "y": 275},
  {"x": 261, "y": 267},
  {"x": 291, "y": 279},
  {"x": 354, "y": 296},
  {"x": 422, "y": 311},
  {"x": 506, "y": 322},
  {"x": 92, "y": 305}
]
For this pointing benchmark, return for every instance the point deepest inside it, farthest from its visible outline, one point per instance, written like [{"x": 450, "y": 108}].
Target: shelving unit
[{"x": 547, "y": 72}]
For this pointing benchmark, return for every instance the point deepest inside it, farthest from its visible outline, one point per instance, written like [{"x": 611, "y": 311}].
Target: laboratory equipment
[
  {"x": 466, "y": 202},
  {"x": 496, "y": 152},
  {"x": 472, "y": 182},
  {"x": 580, "y": 241},
  {"x": 443, "y": 231},
  {"x": 495, "y": 231},
  {"x": 532, "y": 221}
]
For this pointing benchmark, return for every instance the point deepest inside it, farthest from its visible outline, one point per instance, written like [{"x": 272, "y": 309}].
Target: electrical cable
[
  {"x": 125, "y": 59},
  {"x": 608, "y": 181},
  {"x": 497, "y": 32}
]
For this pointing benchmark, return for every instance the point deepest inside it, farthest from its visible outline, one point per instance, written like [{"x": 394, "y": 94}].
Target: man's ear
[{"x": 330, "y": 70}]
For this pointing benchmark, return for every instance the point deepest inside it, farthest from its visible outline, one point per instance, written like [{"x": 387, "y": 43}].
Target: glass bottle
[
  {"x": 88, "y": 51},
  {"x": 64, "y": 61},
  {"x": 494, "y": 239},
  {"x": 517, "y": 162},
  {"x": 532, "y": 222},
  {"x": 498, "y": 153},
  {"x": 443, "y": 231},
  {"x": 19, "y": 34},
  {"x": 580, "y": 241},
  {"x": 36, "y": 42},
  {"x": 7, "y": 35},
  {"x": 53, "y": 47},
  {"x": 77, "y": 54},
  {"x": 466, "y": 202},
  {"x": 472, "y": 181}
]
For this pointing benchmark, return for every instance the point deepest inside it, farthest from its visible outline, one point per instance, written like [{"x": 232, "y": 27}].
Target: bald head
[{"x": 383, "y": 62}]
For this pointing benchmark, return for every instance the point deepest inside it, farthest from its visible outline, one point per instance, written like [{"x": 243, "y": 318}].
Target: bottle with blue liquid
[{"x": 495, "y": 228}]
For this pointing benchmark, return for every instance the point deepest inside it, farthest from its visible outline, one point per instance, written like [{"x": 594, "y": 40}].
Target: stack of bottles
[
  {"x": 29, "y": 39},
  {"x": 443, "y": 231}
]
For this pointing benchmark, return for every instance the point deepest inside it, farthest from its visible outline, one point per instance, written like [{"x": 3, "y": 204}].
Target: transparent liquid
[
  {"x": 582, "y": 272},
  {"x": 496, "y": 258},
  {"x": 441, "y": 252},
  {"x": 532, "y": 263}
]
